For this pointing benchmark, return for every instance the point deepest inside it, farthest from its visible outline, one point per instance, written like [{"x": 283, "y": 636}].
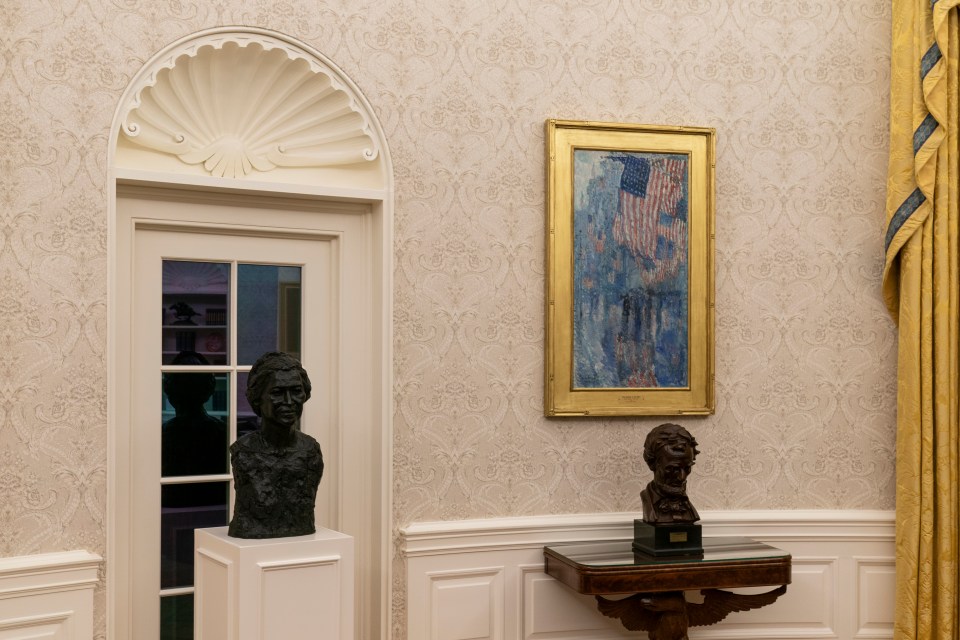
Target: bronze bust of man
[
  {"x": 276, "y": 469},
  {"x": 669, "y": 451}
]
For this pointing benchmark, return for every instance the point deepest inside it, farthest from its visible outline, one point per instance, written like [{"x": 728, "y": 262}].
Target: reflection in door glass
[
  {"x": 268, "y": 311},
  {"x": 195, "y": 418},
  {"x": 196, "y": 299},
  {"x": 176, "y": 617},
  {"x": 185, "y": 507}
]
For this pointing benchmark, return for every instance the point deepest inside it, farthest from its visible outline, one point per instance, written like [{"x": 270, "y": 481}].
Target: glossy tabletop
[{"x": 612, "y": 567}]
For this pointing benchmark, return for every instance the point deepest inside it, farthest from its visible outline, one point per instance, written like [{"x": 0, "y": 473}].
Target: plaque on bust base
[{"x": 662, "y": 540}]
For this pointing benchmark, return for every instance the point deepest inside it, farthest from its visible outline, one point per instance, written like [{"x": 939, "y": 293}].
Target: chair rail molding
[{"x": 484, "y": 579}]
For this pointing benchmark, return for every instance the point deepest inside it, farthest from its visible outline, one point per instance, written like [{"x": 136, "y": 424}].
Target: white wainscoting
[
  {"x": 484, "y": 579},
  {"x": 48, "y": 596}
]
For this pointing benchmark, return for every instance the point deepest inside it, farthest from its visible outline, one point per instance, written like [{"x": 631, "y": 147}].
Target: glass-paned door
[{"x": 221, "y": 302}]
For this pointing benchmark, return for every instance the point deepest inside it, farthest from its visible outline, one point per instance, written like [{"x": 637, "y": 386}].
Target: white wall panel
[
  {"x": 55, "y": 627},
  {"x": 807, "y": 610},
  {"x": 467, "y": 605},
  {"x": 875, "y": 598},
  {"x": 48, "y": 595},
  {"x": 842, "y": 583},
  {"x": 551, "y": 611}
]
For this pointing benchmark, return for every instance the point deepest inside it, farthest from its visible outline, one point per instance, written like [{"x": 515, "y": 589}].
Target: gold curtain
[{"x": 921, "y": 286}]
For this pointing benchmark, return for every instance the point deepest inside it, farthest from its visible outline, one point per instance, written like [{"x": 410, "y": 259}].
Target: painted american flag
[{"x": 648, "y": 221}]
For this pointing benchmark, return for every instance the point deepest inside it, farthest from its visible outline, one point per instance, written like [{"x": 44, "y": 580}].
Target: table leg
[{"x": 662, "y": 615}]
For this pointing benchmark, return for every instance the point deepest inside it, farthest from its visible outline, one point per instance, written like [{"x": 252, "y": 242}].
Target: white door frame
[
  {"x": 326, "y": 270},
  {"x": 297, "y": 189}
]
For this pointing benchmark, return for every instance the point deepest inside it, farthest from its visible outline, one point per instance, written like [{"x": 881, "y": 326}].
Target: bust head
[
  {"x": 669, "y": 451},
  {"x": 277, "y": 388},
  {"x": 263, "y": 376}
]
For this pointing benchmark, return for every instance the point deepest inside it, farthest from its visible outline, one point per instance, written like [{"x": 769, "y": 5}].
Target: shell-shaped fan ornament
[{"x": 237, "y": 108}]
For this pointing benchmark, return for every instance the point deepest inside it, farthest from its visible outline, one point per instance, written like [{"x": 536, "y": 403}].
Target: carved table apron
[{"x": 658, "y": 605}]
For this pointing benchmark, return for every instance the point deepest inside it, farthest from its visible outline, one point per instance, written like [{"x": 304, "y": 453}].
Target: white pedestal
[{"x": 297, "y": 588}]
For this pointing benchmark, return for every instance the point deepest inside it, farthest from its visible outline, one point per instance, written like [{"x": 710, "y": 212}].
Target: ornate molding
[
  {"x": 48, "y": 573},
  {"x": 521, "y": 532},
  {"x": 239, "y": 101}
]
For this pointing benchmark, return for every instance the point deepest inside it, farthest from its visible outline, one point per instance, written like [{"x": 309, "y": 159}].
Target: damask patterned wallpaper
[{"x": 805, "y": 351}]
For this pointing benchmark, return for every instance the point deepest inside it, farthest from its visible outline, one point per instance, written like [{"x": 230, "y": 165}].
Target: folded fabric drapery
[{"x": 921, "y": 286}]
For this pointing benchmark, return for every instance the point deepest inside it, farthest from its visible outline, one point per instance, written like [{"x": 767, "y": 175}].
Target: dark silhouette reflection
[{"x": 194, "y": 443}]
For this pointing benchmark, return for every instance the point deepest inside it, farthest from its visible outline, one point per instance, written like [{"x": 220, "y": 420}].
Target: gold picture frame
[{"x": 629, "y": 270}]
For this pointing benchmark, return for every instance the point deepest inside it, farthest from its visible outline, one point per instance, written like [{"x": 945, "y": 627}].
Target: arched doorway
[{"x": 234, "y": 148}]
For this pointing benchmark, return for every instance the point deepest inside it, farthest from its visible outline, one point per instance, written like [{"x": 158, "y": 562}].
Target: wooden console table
[{"x": 657, "y": 584}]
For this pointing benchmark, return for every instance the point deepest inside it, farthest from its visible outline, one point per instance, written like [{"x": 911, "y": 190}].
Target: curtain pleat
[{"x": 922, "y": 290}]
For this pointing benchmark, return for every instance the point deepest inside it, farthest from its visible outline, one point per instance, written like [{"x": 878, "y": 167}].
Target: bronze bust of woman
[{"x": 276, "y": 469}]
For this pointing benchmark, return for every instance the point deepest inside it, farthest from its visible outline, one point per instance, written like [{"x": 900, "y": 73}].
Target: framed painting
[{"x": 629, "y": 270}]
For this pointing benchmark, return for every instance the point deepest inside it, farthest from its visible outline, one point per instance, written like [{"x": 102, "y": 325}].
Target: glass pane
[
  {"x": 176, "y": 617},
  {"x": 247, "y": 420},
  {"x": 196, "y": 303},
  {"x": 195, "y": 417},
  {"x": 620, "y": 553},
  {"x": 185, "y": 507},
  {"x": 268, "y": 311}
]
